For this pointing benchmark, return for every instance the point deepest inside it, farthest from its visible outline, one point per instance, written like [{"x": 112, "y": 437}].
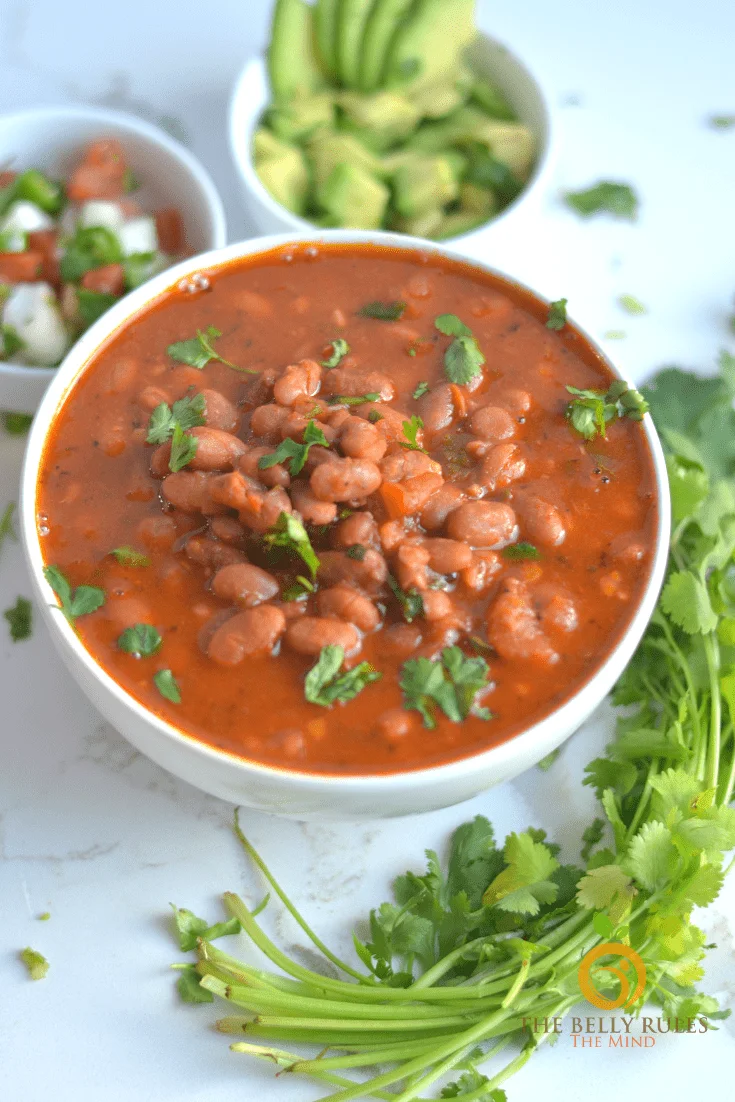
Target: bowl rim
[
  {"x": 244, "y": 110},
  {"x": 584, "y": 699},
  {"x": 156, "y": 135}
]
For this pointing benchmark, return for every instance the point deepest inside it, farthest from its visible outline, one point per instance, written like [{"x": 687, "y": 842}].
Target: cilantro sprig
[
  {"x": 591, "y": 411},
  {"x": 411, "y": 430},
  {"x": 7, "y": 531},
  {"x": 20, "y": 619},
  {"x": 289, "y": 533},
  {"x": 198, "y": 351},
  {"x": 188, "y": 413},
  {"x": 410, "y": 600},
  {"x": 383, "y": 311},
  {"x": 450, "y": 683},
  {"x": 291, "y": 453},
  {"x": 463, "y": 358},
  {"x": 608, "y": 197},
  {"x": 140, "y": 640},
  {"x": 327, "y": 683},
  {"x": 128, "y": 556},
  {"x": 557, "y": 318},
  {"x": 74, "y": 602},
  {"x": 354, "y": 399}
]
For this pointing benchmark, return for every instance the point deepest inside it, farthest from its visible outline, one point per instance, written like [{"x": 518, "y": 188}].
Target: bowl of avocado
[{"x": 387, "y": 114}]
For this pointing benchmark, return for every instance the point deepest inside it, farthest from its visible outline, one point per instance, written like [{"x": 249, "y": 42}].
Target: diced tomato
[
  {"x": 108, "y": 280},
  {"x": 101, "y": 174},
  {"x": 45, "y": 242},
  {"x": 170, "y": 230},
  {"x": 21, "y": 267},
  {"x": 131, "y": 208},
  {"x": 6, "y": 178}
]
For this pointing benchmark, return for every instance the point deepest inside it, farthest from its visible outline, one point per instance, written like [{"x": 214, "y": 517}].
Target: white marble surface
[{"x": 101, "y": 838}]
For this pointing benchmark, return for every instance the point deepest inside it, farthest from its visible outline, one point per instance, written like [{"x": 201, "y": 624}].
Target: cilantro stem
[
  {"x": 712, "y": 654},
  {"x": 285, "y": 1060}
]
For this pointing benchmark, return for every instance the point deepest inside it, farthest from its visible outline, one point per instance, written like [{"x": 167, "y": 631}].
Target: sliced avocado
[
  {"x": 329, "y": 148},
  {"x": 286, "y": 176},
  {"x": 457, "y": 223},
  {"x": 434, "y": 101},
  {"x": 464, "y": 124},
  {"x": 428, "y": 45},
  {"x": 384, "y": 118},
  {"x": 381, "y": 25},
  {"x": 511, "y": 143},
  {"x": 423, "y": 185},
  {"x": 292, "y": 63},
  {"x": 491, "y": 101},
  {"x": 457, "y": 162},
  {"x": 478, "y": 200},
  {"x": 423, "y": 226},
  {"x": 325, "y": 30},
  {"x": 296, "y": 120},
  {"x": 354, "y": 197},
  {"x": 351, "y": 19},
  {"x": 266, "y": 144}
]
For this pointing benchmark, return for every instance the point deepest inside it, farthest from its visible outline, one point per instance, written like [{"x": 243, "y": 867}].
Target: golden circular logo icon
[{"x": 630, "y": 973}]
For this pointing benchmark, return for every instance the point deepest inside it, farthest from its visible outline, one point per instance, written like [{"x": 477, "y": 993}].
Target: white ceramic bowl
[
  {"x": 283, "y": 791},
  {"x": 488, "y": 56},
  {"x": 51, "y": 138}
]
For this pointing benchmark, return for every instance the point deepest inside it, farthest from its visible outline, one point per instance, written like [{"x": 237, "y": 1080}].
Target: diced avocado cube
[
  {"x": 428, "y": 45},
  {"x": 491, "y": 100},
  {"x": 461, "y": 125},
  {"x": 286, "y": 176},
  {"x": 512, "y": 144},
  {"x": 384, "y": 17},
  {"x": 352, "y": 16},
  {"x": 435, "y": 101},
  {"x": 266, "y": 144},
  {"x": 297, "y": 120},
  {"x": 458, "y": 223},
  {"x": 424, "y": 184},
  {"x": 423, "y": 226},
  {"x": 478, "y": 200},
  {"x": 293, "y": 67},
  {"x": 329, "y": 148},
  {"x": 354, "y": 197},
  {"x": 457, "y": 162},
  {"x": 386, "y": 117}
]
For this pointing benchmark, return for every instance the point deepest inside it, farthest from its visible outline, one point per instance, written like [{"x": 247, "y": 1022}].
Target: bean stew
[{"x": 334, "y": 508}]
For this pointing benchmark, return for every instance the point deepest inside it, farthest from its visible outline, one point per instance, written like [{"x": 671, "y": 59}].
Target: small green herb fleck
[
  {"x": 383, "y": 311},
  {"x": 521, "y": 551},
  {"x": 619, "y": 200},
  {"x": 546, "y": 763},
  {"x": 411, "y": 430},
  {"x": 73, "y": 603},
  {"x": 128, "y": 556},
  {"x": 557, "y": 318},
  {"x": 198, "y": 351},
  {"x": 325, "y": 685},
  {"x": 374, "y": 416},
  {"x": 289, "y": 532},
  {"x": 167, "y": 686},
  {"x": 631, "y": 304},
  {"x": 290, "y": 452},
  {"x": 20, "y": 619},
  {"x": 12, "y": 343},
  {"x": 17, "y": 424},
  {"x": 183, "y": 448},
  {"x": 6, "y": 524},
  {"x": 340, "y": 348},
  {"x": 44, "y": 917},
  {"x": 141, "y": 640},
  {"x": 614, "y": 334},
  {"x": 35, "y": 962},
  {"x": 721, "y": 122},
  {"x": 354, "y": 399},
  {"x": 356, "y": 551},
  {"x": 421, "y": 389},
  {"x": 411, "y": 601}
]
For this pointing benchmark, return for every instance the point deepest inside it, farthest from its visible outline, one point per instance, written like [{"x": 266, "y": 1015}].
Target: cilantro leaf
[
  {"x": 17, "y": 424},
  {"x": 183, "y": 448},
  {"x": 686, "y": 601},
  {"x": 590, "y": 411},
  {"x": 557, "y": 318},
  {"x": 167, "y": 686},
  {"x": 521, "y": 550},
  {"x": 90, "y": 247},
  {"x": 411, "y": 430},
  {"x": 451, "y": 326},
  {"x": 325, "y": 685},
  {"x": 73, "y": 603},
  {"x": 290, "y": 451},
  {"x": 607, "y": 196},
  {"x": 631, "y": 304},
  {"x": 599, "y": 887},
  {"x": 383, "y": 311},
  {"x": 356, "y": 551},
  {"x": 198, "y": 351},
  {"x": 93, "y": 304},
  {"x": 6, "y": 524},
  {"x": 354, "y": 399},
  {"x": 340, "y": 348},
  {"x": 525, "y": 882},
  {"x": 450, "y": 682},
  {"x": 11, "y": 343},
  {"x": 721, "y": 122},
  {"x": 20, "y": 619},
  {"x": 189, "y": 412},
  {"x": 421, "y": 389},
  {"x": 35, "y": 962},
  {"x": 463, "y": 360},
  {"x": 289, "y": 532},
  {"x": 141, "y": 640},
  {"x": 128, "y": 556},
  {"x": 652, "y": 858},
  {"x": 189, "y": 928},
  {"x": 189, "y": 986},
  {"x": 411, "y": 601}
]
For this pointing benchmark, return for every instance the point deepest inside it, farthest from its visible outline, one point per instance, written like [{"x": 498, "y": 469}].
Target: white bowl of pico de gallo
[{"x": 92, "y": 204}]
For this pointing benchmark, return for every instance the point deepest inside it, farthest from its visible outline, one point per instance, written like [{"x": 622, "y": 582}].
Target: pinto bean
[
  {"x": 219, "y": 412},
  {"x": 345, "y": 479},
  {"x": 192, "y": 492},
  {"x": 513, "y": 399},
  {"x": 359, "y": 528},
  {"x": 266, "y": 421},
  {"x": 226, "y": 529},
  {"x": 502, "y": 465},
  {"x": 216, "y": 450},
  {"x": 152, "y": 396},
  {"x": 258, "y": 509},
  {"x": 436, "y": 408},
  {"x": 345, "y": 603},
  {"x": 244, "y": 584},
  {"x": 387, "y": 420},
  {"x": 158, "y": 532},
  {"x": 368, "y": 573},
  {"x": 312, "y": 510},
  {"x": 309, "y": 634},
  {"x": 513, "y": 628},
  {"x": 295, "y": 426},
  {"x": 478, "y": 576},
  {"x": 493, "y": 424},
  {"x": 401, "y": 638},
  {"x": 438, "y": 605},
  {"x": 212, "y": 553},
  {"x": 558, "y": 611},
  {"x": 394, "y": 724},
  {"x": 542, "y": 522},
  {"x": 440, "y": 505},
  {"x": 483, "y": 524},
  {"x": 252, "y": 632},
  {"x": 410, "y": 564},
  {"x": 405, "y": 499},
  {"x": 391, "y": 534},
  {"x": 123, "y": 612},
  {"x": 404, "y": 464},
  {"x": 361, "y": 440},
  {"x": 298, "y": 381},
  {"x": 354, "y": 381},
  {"x": 276, "y": 475},
  {"x": 447, "y": 556}
]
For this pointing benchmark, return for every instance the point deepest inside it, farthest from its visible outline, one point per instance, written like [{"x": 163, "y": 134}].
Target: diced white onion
[
  {"x": 101, "y": 212},
  {"x": 25, "y": 217},
  {"x": 31, "y": 309},
  {"x": 138, "y": 235}
]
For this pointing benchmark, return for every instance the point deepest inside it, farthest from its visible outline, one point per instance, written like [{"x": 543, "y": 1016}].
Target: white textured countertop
[{"x": 102, "y": 839}]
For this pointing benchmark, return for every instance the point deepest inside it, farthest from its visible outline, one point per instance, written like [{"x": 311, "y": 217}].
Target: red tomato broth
[{"x": 96, "y": 489}]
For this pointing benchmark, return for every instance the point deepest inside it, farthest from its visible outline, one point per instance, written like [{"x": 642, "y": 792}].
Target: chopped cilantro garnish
[
  {"x": 90, "y": 247},
  {"x": 289, "y": 532},
  {"x": 6, "y": 524},
  {"x": 325, "y": 685},
  {"x": 374, "y": 416},
  {"x": 300, "y": 588},
  {"x": 609, "y": 197},
  {"x": 721, "y": 122},
  {"x": 73, "y": 603},
  {"x": 128, "y": 556},
  {"x": 463, "y": 358},
  {"x": 340, "y": 348},
  {"x": 295, "y": 454},
  {"x": 357, "y": 551},
  {"x": 451, "y": 683},
  {"x": 141, "y": 640},
  {"x": 187, "y": 413},
  {"x": 190, "y": 989},
  {"x": 198, "y": 351},
  {"x": 421, "y": 389},
  {"x": 557, "y": 318},
  {"x": 20, "y": 619},
  {"x": 411, "y": 430},
  {"x": 631, "y": 304},
  {"x": 354, "y": 399},
  {"x": 93, "y": 304},
  {"x": 614, "y": 334},
  {"x": 190, "y": 928},
  {"x": 183, "y": 448},
  {"x": 546, "y": 763},
  {"x": 35, "y": 962},
  {"x": 591, "y": 410},
  {"x": 167, "y": 686},
  {"x": 11, "y": 343},
  {"x": 521, "y": 551},
  {"x": 383, "y": 311},
  {"x": 44, "y": 917},
  {"x": 17, "y": 424},
  {"x": 411, "y": 601}
]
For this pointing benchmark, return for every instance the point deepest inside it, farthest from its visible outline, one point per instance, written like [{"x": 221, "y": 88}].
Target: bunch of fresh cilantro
[{"x": 468, "y": 955}]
